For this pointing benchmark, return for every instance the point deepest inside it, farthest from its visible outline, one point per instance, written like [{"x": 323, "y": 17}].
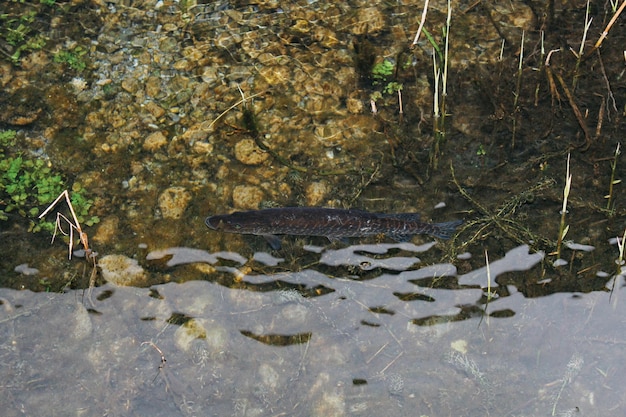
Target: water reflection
[{"x": 424, "y": 341}]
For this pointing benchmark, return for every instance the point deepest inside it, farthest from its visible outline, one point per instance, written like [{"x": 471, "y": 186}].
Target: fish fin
[
  {"x": 400, "y": 237},
  {"x": 274, "y": 241},
  {"x": 407, "y": 217},
  {"x": 445, "y": 230}
]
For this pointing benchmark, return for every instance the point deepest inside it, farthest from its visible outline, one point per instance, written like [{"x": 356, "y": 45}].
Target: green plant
[
  {"x": 7, "y": 138},
  {"x": 26, "y": 183},
  {"x": 73, "y": 58},
  {"x": 382, "y": 71},
  {"x": 440, "y": 72},
  {"x": 382, "y": 74},
  {"x": 392, "y": 87},
  {"x": 18, "y": 33}
]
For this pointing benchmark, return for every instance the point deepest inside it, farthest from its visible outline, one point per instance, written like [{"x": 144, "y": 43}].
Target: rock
[
  {"x": 22, "y": 107},
  {"x": 173, "y": 202},
  {"x": 247, "y": 197},
  {"x": 186, "y": 334},
  {"x": 24, "y": 269},
  {"x": 82, "y": 322},
  {"x": 154, "y": 109},
  {"x": 248, "y": 153},
  {"x": 130, "y": 85},
  {"x": 154, "y": 141},
  {"x": 214, "y": 335},
  {"x": 122, "y": 270},
  {"x": 276, "y": 74},
  {"x": 107, "y": 230},
  {"x": 354, "y": 104},
  {"x": 6, "y": 73},
  {"x": 368, "y": 20},
  {"x": 315, "y": 193},
  {"x": 268, "y": 375}
]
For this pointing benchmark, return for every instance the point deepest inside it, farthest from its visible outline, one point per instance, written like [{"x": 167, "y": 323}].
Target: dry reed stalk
[
  {"x": 73, "y": 224},
  {"x": 563, "y": 228},
  {"x": 608, "y": 27},
  {"x": 576, "y": 110}
]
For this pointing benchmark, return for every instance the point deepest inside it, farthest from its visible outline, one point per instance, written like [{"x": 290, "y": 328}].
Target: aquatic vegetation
[
  {"x": 382, "y": 71},
  {"x": 73, "y": 58},
  {"x": 7, "y": 138},
  {"x": 440, "y": 70},
  {"x": 27, "y": 183},
  {"x": 21, "y": 30},
  {"x": 18, "y": 33},
  {"x": 384, "y": 81}
]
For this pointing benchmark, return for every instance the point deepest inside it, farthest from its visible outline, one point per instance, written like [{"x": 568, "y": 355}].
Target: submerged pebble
[
  {"x": 24, "y": 269},
  {"x": 173, "y": 202},
  {"x": 247, "y": 197},
  {"x": 122, "y": 270},
  {"x": 248, "y": 153}
]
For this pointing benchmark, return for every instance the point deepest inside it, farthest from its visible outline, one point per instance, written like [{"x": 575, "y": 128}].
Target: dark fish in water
[{"x": 332, "y": 223}]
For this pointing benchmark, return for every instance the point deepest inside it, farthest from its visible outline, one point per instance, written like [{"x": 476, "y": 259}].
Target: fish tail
[{"x": 445, "y": 230}]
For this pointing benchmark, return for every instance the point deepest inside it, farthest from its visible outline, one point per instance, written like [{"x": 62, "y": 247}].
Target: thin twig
[
  {"x": 576, "y": 110},
  {"x": 419, "y": 29},
  {"x": 89, "y": 254},
  {"x": 608, "y": 27}
]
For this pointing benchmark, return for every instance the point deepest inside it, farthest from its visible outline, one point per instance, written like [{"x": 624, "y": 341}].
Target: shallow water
[
  {"x": 154, "y": 130},
  {"x": 397, "y": 344}
]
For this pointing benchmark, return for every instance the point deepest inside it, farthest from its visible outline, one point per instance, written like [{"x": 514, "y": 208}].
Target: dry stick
[
  {"x": 419, "y": 29},
  {"x": 600, "y": 118},
  {"x": 579, "y": 55},
  {"x": 89, "y": 254},
  {"x": 609, "y": 196},
  {"x": 563, "y": 228},
  {"x": 608, "y": 86},
  {"x": 243, "y": 100},
  {"x": 554, "y": 93},
  {"x": 577, "y": 113},
  {"x": 541, "y": 64},
  {"x": 518, "y": 87},
  {"x": 619, "y": 261},
  {"x": 608, "y": 27}
]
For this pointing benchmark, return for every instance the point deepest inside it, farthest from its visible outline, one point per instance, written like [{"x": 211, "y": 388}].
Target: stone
[
  {"x": 315, "y": 193},
  {"x": 368, "y": 20},
  {"x": 247, "y": 197},
  {"x": 248, "y": 153},
  {"x": 155, "y": 141},
  {"x": 173, "y": 202},
  {"x": 154, "y": 109},
  {"x": 107, "y": 230},
  {"x": 122, "y": 270}
]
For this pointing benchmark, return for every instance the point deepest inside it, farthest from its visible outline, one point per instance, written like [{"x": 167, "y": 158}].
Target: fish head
[{"x": 224, "y": 223}]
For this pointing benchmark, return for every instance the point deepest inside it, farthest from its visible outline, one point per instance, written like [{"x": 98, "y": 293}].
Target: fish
[{"x": 335, "y": 224}]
